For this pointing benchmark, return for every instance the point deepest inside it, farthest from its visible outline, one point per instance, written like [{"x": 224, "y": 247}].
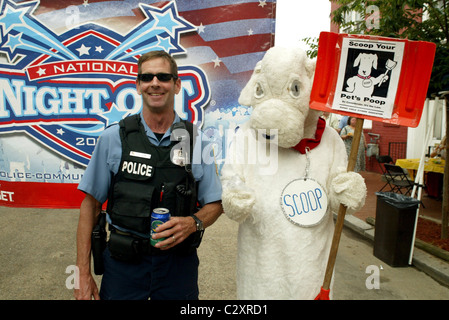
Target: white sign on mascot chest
[{"x": 304, "y": 202}]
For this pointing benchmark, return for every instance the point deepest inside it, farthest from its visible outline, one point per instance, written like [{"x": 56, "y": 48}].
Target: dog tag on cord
[
  {"x": 367, "y": 83},
  {"x": 304, "y": 202}
]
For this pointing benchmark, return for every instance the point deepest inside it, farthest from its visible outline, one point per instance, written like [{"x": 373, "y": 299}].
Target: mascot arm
[
  {"x": 348, "y": 188},
  {"x": 237, "y": 198}
]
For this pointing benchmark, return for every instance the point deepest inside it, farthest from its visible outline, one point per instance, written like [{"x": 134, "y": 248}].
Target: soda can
[{"x": 158, "y": 216}]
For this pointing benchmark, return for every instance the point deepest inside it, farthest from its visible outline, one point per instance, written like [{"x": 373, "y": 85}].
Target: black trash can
[{"x": 393, "y": 233}]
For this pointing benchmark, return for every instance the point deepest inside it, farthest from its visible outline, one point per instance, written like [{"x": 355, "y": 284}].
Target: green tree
[
  {"x": 410, "y": 19},
  {"x": 312, "y": 52}
]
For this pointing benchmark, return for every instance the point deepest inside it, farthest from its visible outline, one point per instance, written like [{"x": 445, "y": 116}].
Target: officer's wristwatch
[{"x": 199, "y": 223}]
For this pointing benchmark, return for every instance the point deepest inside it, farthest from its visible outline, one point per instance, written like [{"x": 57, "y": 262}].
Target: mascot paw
[
  {"x": 349, "y": 189},
  {"x": 237, "y": 202}
]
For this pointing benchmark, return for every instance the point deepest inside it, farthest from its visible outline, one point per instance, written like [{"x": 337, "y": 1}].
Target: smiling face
[{"x": 157, "y": 96}]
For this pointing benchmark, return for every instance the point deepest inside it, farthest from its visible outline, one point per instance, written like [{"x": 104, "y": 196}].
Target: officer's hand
[
  {"x": 87, "y": 288},
  {"x": 176, "y": 230}
]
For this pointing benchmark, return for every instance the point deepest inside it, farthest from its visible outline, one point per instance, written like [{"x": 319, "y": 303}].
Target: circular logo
[
  {"x": 304, "y": 202},
  {"x": 367, "y": 83},
  {"x": 155, "y": 224}
]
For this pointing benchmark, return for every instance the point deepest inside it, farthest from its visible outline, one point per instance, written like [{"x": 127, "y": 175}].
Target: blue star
[
  {"x": 168, "y": 19},
  {"x": 13, "y": 41},
  {"x": 165, "y": 44},
  {"x": 11, "y": 18},
  {"x": 114, "y": 115},
  {"x": 13, "y": 14}
]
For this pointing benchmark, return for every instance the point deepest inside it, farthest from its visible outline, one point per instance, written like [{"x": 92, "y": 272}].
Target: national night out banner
[{"x": 68, "y": 69}]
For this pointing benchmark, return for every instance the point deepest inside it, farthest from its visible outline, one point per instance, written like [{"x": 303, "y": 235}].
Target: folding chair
[
  {"x": 399, "y": 179},
  {"x": 385, "y": 176}
]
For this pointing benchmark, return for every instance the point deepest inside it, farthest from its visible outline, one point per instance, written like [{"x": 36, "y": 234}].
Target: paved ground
[{"x": 38, "y": 247}]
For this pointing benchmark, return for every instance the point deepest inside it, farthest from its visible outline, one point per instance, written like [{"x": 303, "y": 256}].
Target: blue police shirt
[{"x": 107, "y": 155}]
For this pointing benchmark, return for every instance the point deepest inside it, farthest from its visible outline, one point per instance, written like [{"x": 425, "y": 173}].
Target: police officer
[{"x": 133, "y": 182}]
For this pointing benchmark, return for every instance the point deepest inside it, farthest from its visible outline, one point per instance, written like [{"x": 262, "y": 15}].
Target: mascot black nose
[{"x": 267, "y": 136}]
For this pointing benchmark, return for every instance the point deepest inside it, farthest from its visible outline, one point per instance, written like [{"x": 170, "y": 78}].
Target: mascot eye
[
  {"x": 294, "y": 89},
  {"x": 258, "y": 93}
]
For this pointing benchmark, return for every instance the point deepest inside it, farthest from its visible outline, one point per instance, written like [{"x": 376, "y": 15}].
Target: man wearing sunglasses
[{"x": 133, "y": 168}]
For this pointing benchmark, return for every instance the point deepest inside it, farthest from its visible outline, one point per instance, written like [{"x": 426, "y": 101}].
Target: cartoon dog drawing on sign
[
  {"x": 285, "y": 214},
  {"x": 363, "y": 83}
]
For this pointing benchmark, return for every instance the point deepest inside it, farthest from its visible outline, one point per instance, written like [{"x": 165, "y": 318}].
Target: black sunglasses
[{"x": 148, "y": 77}]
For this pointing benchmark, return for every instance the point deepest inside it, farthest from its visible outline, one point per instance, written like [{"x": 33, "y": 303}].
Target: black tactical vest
[{"x": 148, "y": 179}]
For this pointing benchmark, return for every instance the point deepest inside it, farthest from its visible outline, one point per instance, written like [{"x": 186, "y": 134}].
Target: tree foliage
[
  {"x": 312, "y": 52},
  {"x": 410, "y": 19}
]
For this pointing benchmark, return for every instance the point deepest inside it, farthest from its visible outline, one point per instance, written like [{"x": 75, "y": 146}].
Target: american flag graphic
[{"x": 231, "y": 36}]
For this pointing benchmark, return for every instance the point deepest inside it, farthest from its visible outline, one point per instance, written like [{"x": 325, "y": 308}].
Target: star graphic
[
  {"x": 99, "y": 49},
  {"x": 165, "y": 44},
  {"x": 216, "y": 62},
  {"x": 167, "y": 18},
  {"x": 83, "y": 50},
  {"x": 13, "y": 41},
  {"x": 60, "y": 131},
  {"x": 35, "y": 37},
  {"x": 159, "y": 21},
  {"x": 12, "y": 17},
  {"x": 200, "y": 28},
  {"x": 250, "y": 32},
  {"x": 113, "y": 115},
  {"x": 41, "y": 72},
  {"x": 262, "y": 3},
  {"x": 166, "y": 21}
]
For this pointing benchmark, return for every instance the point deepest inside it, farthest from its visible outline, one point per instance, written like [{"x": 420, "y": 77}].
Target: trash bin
[{"x": 393, "y": 233}]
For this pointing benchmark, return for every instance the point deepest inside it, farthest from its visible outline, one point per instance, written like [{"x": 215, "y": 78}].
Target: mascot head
[{"x": 279, "y": 92}]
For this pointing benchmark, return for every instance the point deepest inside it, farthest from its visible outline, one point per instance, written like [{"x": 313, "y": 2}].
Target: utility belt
[{"x": 129, "y": 247}]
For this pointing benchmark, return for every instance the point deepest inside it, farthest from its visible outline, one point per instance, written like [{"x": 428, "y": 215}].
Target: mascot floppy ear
[
  {"x": 246, "y": 96},
  {"x": 310, "y": 66},
  {"x": 310, "y": 124}
]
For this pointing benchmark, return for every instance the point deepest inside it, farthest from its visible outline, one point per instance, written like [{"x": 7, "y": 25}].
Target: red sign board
[{"x": 370, "y": 77}]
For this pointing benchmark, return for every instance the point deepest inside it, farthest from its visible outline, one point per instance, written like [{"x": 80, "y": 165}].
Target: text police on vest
[{"x": 137, "y": 168}]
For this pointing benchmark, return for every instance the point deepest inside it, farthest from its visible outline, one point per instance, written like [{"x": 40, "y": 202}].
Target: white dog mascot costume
[{"x": 279, "y": 256}]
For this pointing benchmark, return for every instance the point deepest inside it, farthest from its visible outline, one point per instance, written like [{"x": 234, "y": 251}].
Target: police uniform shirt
[{"x": 107, "y": 155}]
